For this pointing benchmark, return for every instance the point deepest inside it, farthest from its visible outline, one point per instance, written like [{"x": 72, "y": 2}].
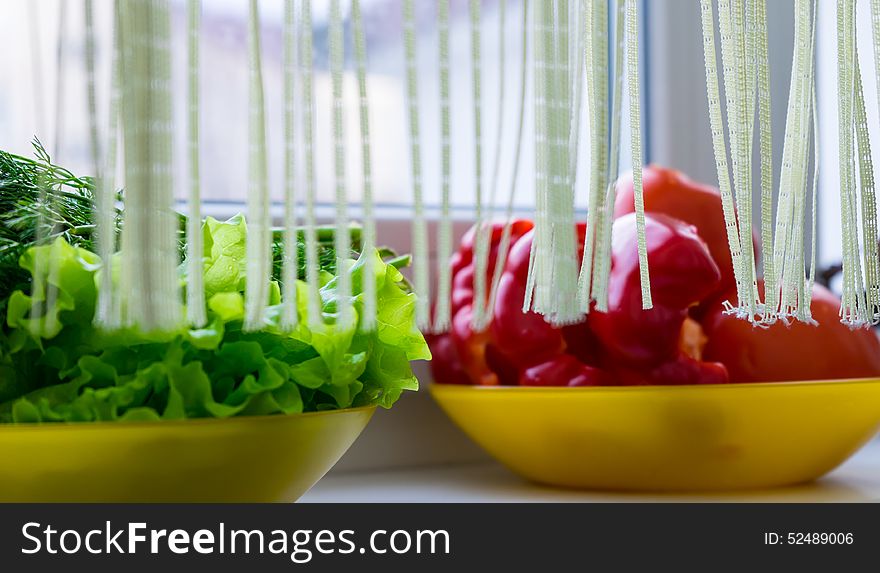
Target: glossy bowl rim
[
  {"x": 648, "y": 388},
  {"x": 186, "y": 422}
]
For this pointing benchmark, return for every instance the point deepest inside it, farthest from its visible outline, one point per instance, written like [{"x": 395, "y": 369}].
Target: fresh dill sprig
[
  {"x": 326, "y": 250},
  {"x": 65, "y": 211}
]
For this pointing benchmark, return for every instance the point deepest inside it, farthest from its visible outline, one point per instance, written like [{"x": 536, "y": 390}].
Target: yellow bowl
[
  {"x": 669, "y": 438},
  {"x": 247, "y": 459}
]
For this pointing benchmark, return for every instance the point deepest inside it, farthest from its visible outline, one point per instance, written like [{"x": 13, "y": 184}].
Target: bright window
[
  {"x": 829, "y": 196},
  {"x": 28, "y": 84}
]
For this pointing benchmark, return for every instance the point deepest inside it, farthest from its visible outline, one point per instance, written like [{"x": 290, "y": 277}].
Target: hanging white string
[
  {"x": 750, "y": 47},
  {"x": 805, "y": 284},
  {"x": 806, "y": 313},
  {"x": 482, "y": 319},
  {"x": 733, "y": 57},
  {"x": 597, "y": 88},
  {"x": 481, "y": 243},
  {"x": 719, "y": 144},
  {"x": 132, "y": 166},
  {"x": 289, "y": 314},
  {"x": 635, "y": 114},
  {"x": 36, "y": 47},
  {"x": 766, "y": 152},
  {"x": 587, "y": 32},
  {"x": 315, "y": 318},
  {"x": 259, "y": 254},
  {"x": 868, "y": 202},
  {"x": 578, "y": 51},
  {"x": 60, "y": 76},
  {"x": 750, "y": 52},
  {"x": 342, "y": 238},
  {"x": 744, "y": 54},
  {"x": 166, "y": 223},
  {"x": 149, "y": 242},
  {"x": 499, "y": 118},
  {"x": 92, "y": 107},
  {"x": 195, "y": 290},
  {"x": 539, "y": 255},
  {"x": 788, "y": 250},
  {"x": 875, "y": 34},
  {"x": 537, "y": 252},
  {"x": 45, "y": 224},
  {"x": 419, "y": 229},
  {"x": 875, "y": 31},
  {"x": 815, "y": 197},
  {"x": 91, "y": 95},
  {"x": 504, "y": 243},
  {"x": 46, "y": 196},
  {"x": 742, "y": 130},
  {"x": 852, "y": 310},
  {"x": 553, "y": 269},
  {"x": 368, "y": 242},
  {"x": 442, "y": 311},
  {"x": 107, "y": 311},
  {"x": 543, "y": 224},
  {"x": 604, "y": 220},
  {"x": 784, "y": 302},
  {"x": 562, "y": 288},
  {"x": 108, "y": 226},
  {"x": 577, "y": 58}
]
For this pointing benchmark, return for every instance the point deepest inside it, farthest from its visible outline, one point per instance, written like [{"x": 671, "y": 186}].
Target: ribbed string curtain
[{"x": 582, "y": 59}]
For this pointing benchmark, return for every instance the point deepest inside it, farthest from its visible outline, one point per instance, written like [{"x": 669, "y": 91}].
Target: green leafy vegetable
[
  {"x": 67, "y": 212},
  {"x": 73, "y": 372}
]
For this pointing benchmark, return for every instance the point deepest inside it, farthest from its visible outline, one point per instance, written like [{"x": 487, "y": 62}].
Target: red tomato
[{"x": 795, "y": 352}]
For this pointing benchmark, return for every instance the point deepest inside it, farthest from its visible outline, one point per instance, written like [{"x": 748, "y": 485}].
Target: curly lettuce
[{"x": 55, "y": 366}]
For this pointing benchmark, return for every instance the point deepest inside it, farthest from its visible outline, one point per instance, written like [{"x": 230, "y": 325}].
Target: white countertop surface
[{"x": 857, "y": 480}]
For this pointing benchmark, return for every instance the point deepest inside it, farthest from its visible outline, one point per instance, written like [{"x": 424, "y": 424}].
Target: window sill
[{"x": 485, "y": 481}]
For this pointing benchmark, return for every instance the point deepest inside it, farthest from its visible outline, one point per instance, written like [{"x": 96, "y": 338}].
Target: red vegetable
[
  {"x": 523, "y": 338},
  {"x": 444, "y": 360},
  {"x": 471, "y": 349},
  {"x": 563, "y": 370},
  {"x": 462, "y": 262},
  {"x": 682, "y": 274},
  {"x": 467, "y": 348},
  {"x": 672, "y": 193},
  {"x": 691, "y": 276},
  {"x": 681, "y": 370},
  {"x": 798, "y": 351},
  {"x": 522, "y": 348}
]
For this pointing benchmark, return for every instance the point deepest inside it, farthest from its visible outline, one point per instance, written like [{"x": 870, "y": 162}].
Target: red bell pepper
[
  {"x": 522, "y": 348},
  {"x": 462, "y": 262},
  {"x": 522, "y": 338},
  {"x": 462, "y": 346},
  {"x": 670, "y": 192},
  {"x": 682, "y": 274},
  {"x": 565, "y": 370},
  {"x": 675, "y": 342}
]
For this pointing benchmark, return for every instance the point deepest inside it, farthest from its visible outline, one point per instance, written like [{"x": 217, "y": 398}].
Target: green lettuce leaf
[
  {"x": 225, "y": 255},
  {"x": 56, "y": 367}
]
